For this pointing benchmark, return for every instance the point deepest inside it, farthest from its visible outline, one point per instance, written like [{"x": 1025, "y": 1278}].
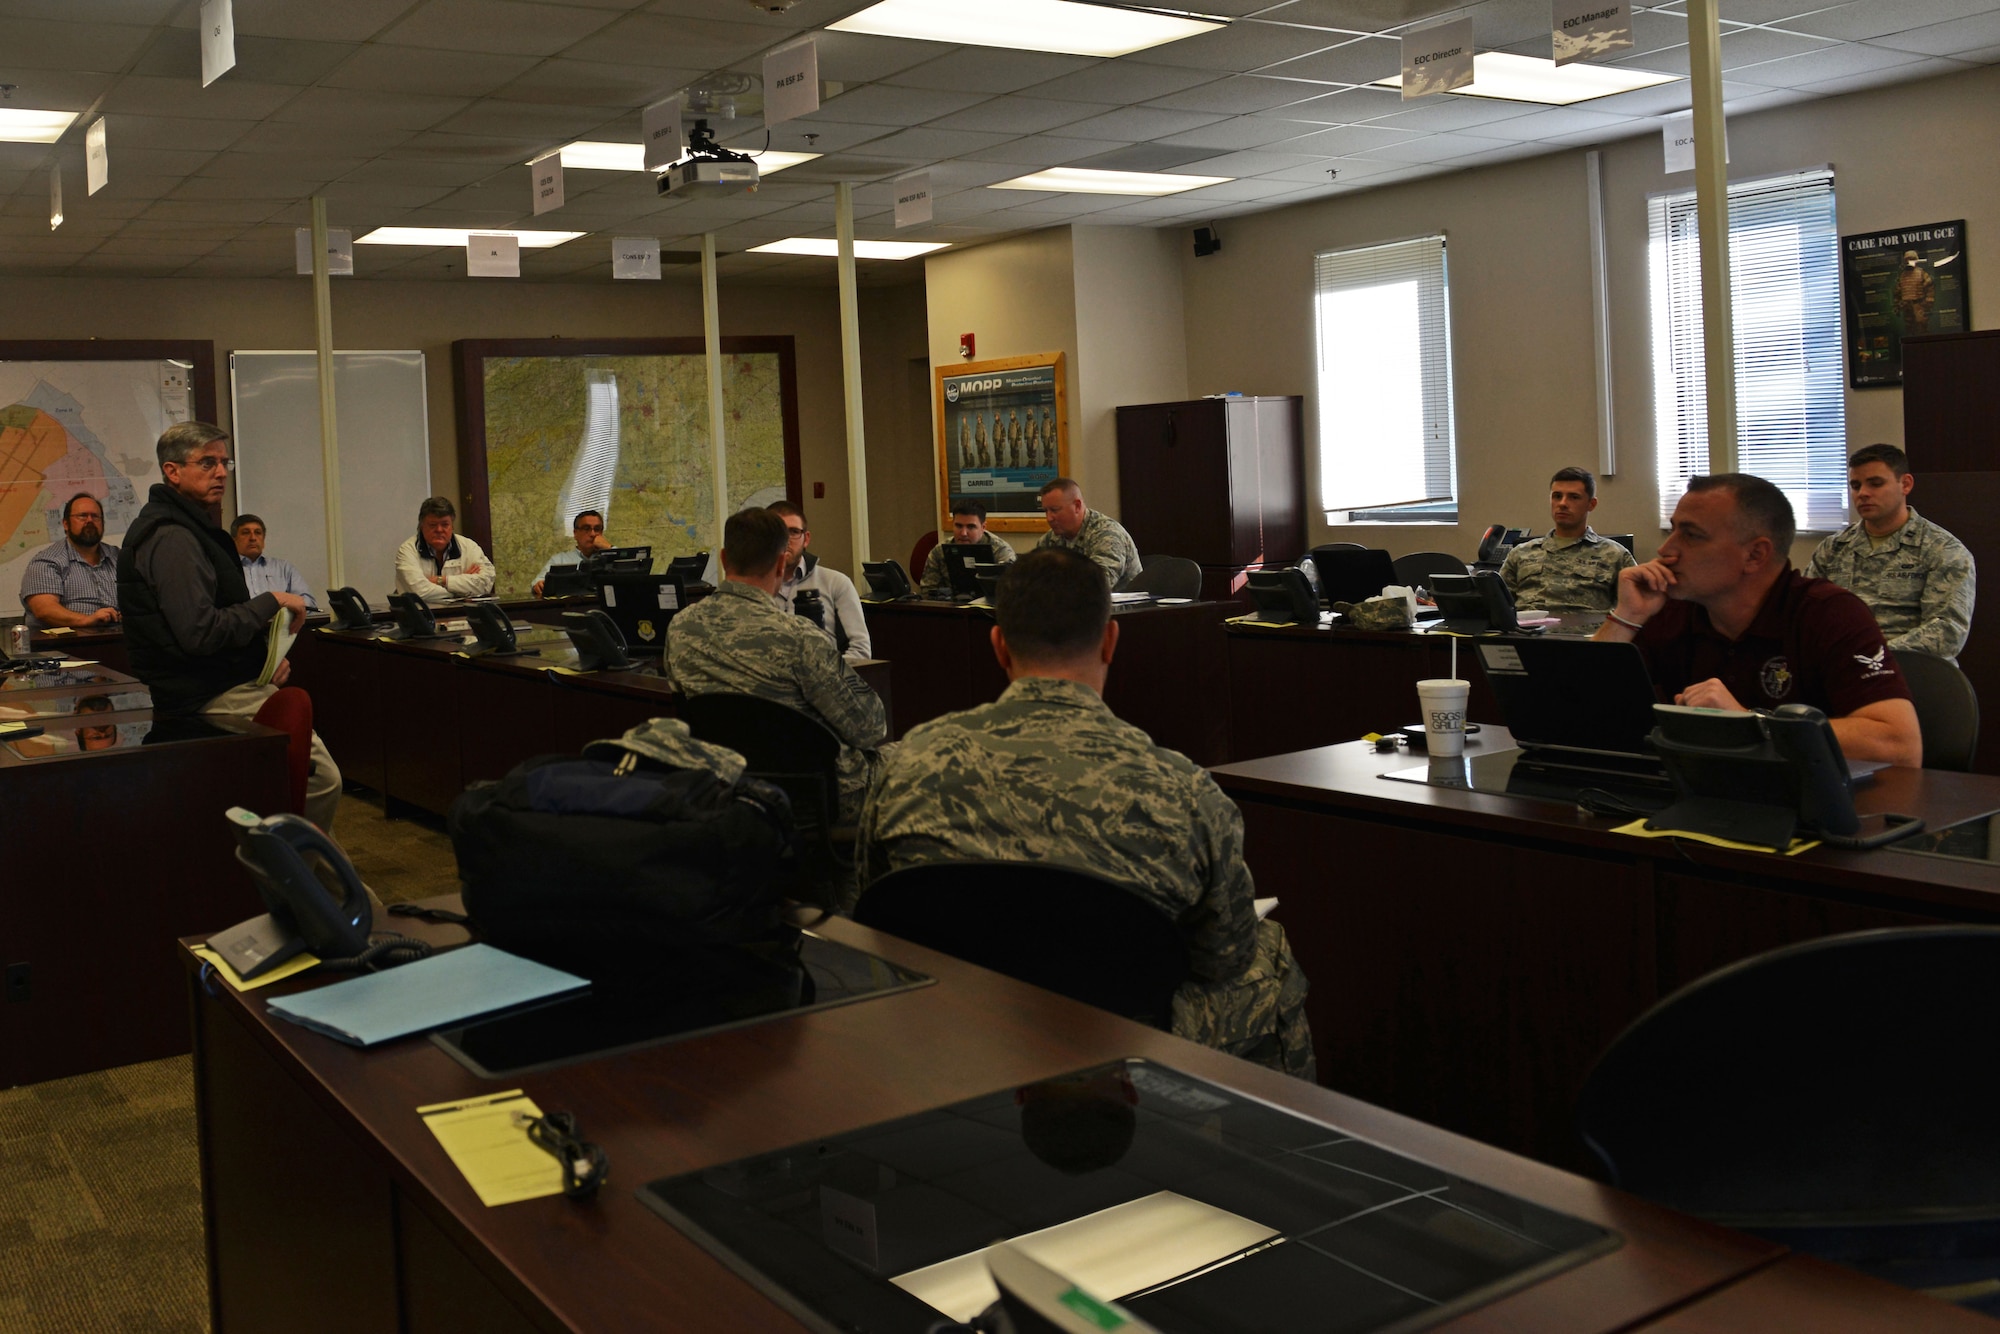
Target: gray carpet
[{"x": 100, "y": 1186}]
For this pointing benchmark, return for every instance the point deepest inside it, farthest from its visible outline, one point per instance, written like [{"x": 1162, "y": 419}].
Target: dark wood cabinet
[{"x": 1220, "y": 481}]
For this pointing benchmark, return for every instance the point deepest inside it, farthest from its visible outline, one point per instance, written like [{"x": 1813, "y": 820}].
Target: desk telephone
[
  {"x": 350, "y": 610},
  {"x": 316, "y": 900},
  {"x": 494, "y": 629},
  {"x": 413, "y": 618},
  {"x": 1497, "y": 541}
]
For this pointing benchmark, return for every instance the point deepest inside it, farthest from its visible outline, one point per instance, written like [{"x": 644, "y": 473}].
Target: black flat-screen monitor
[
  {"x": 620, "y": 560},
  {"x": 958, "y": 563},
  {"x": 690, "y": 569},
  {"x": 1350, "y": 575},
  {"x": 640, "y": 605},
  {"x": 886, "y": 580},
  {"x": 567, "y": 581},
  {"x": 1282, "y": 597}
]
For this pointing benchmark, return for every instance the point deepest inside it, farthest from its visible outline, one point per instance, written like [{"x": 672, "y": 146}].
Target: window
[
  {"x": 1385, "y": 431},
  {"x": 1784, "y": 282}
]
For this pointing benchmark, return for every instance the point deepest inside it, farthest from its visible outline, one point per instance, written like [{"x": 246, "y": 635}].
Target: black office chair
[
  {"x": 1166, "y": 577},
  {"x": 1624, "y": 540},
  {"x": 801, "y": 755},
  {"x": 1067, "y": 931},
  {"x": 1840, "y": 1096},
  {"x": 1415, "y": 570},
  {"x": 1349, "y": 573},
  {"x": 1947, "y": 710}
]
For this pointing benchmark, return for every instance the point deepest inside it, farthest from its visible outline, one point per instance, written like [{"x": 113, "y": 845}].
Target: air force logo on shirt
[
  {"x": 1874, "y": 664},
  {"x": 1776, "y": 677}
]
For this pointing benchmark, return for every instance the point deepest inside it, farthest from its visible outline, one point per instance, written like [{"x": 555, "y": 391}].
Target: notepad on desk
[{"x": 430, "y": 993}]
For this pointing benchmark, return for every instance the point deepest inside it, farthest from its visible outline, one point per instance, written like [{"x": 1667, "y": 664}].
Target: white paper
[
  {"x": 339, "y": 251},
  {"x": 791, "y": 82},
  {"x": 660, "y": 130},
  {"x": 96, "y": 156},
  {"x": 669, "y": 600},
  {"x": 492, "y": 256},
  {"x": 547, "y": 173},
  {"x": 1437, "y": 59},
  {"x": 218, "y": 40},
  {"x": 1677, "y": 139},
  {"x": 635, "y": 257},
  {"x": 1582, "y": 29},
  {"x": 913, "y": 199},
  {"x": 55, "y": 197}
]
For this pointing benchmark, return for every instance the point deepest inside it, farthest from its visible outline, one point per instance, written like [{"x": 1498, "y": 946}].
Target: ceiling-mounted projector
[{"x": 709, "y": 169}]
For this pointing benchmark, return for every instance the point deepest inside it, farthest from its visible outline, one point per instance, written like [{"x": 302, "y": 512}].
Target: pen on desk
[{"x": 470, "y": 1103}]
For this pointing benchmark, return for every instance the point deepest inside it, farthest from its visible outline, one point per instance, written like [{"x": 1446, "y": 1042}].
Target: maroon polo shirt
[{"x": 1812, "y": 642}]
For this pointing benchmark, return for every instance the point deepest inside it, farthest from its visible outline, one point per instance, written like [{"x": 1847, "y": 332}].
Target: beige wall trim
[
  {"x": 1711, "y": 192},
  {"x": 850, "y": 371},
  {"x": 711, "y": 329},
  {"x": 329, "y": 438},
  {"x": 1600, "y": 314}
]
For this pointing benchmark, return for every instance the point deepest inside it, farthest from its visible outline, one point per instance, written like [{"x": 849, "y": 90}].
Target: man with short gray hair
[
  {"x": 440, "y": 563},
  {"x": 1098, "y": 538}
]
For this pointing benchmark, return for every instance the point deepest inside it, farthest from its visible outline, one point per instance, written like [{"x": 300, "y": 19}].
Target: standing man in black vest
[{"x": 195, "y": 634}]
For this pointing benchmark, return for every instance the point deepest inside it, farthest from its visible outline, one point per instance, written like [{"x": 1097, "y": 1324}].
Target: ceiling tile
[
  {"x": 392, "y": 171},
  {"x": 1137, "y": 124},
  {"x": 1019, "y": 115},
  {"x": 1347, "y": 106},
  {"x": 924, "y": 145},
  {"x": 245, "y": 211},
  {"x": 551, "y": 125},
  {"x": 883, "y": 104},
  {"x": 1869, "y": 19},
  {"x": 1948, "y": 39},
  {"x": 56, "y": 90},
  {"x": 147, "y": 13},
  {"x": 1121, "y": 82},
  {"x": 513, "y": 27},
  {"x": 277, "y": 137},
  {"x": 1431, "y": 148},
  {"x": 39, "y": 44},
  {"x": 268, "y": 186},
  {"x": 168, "y": 132},
  {"x": 394, "y": 69},
  {"x": 336, "y": 110},
  {"x": 1833, "y": 62},
  {"x": 1238, "y": 95},
  {"x": 1740, "y": 49},
  {"x": 162, "y": 161},
  {"x": 228, "y": 98},
  {"x": 347, "y": 21},
  {"x": 176, "y": 54},
  {"x": 465, "y": 149},
  {"x": 1042, "y": 150},
  {"x": 1239, "y": 132},
  {"x": 1255, "y": 163},
  {"x": 591, "y": 83},
  {"x": 1359, "y": 15},
  {"x": 1854, "y": 83},
  {"x": 1144, "y": 157},
  {"x": 979, "y": 69},
  {"x": 854, "y": 57},
  {"x": 1242, "y": 46},
  {"x": 1362, "y": 60},
  {"x": 1453, "y": 113},
  {"x": 676, "y": 43},
  {"x": 1552, "y": 121},
  {"x": 1345, "y": 139}
]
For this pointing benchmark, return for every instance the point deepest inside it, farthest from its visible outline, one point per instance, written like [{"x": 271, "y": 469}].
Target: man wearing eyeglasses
[
  {"x": 839, "y": 605},
  {"x": 587, "y": 531},
  {"x": 195, "y": 634},
  {"x": 74, "y": 582}
]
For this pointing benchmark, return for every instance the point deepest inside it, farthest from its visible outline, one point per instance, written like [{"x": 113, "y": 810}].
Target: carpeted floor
[{"x": 100, "y": 1187}]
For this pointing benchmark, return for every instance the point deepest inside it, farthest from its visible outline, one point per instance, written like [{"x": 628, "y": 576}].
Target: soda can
[{"x": 18, "y": 636}]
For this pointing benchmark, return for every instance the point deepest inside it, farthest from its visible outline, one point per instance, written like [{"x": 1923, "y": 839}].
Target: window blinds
[
  {"x": 1385, "y": 424},
  {"x": 1784, "y": 279}
]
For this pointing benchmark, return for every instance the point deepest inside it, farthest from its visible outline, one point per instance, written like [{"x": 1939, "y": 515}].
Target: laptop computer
[
  {"x": 959, "y": 561},
  {"x": 1580, "y": 711},
  {"x": 640, "y": 605}
]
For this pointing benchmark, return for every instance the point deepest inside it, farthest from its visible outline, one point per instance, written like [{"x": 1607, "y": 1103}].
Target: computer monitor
[
  {"x": 886, "y": 580},
  {"x": 958, "y": 562},
  {"x": 1474, "y": 603},
  {"x": 1282, "y": 597},
  {"x": 567, "y": 581},
  {"x": 1347, "y": 574},
  {"x": 620, "y": 560},
  {"x": 1571, "y": 694},
  {"x": 691, "y": 569},
  {"x": 988, "y": 577},
  {"x": 599, "y": 645},
  {"x": 640, "y": 605}
]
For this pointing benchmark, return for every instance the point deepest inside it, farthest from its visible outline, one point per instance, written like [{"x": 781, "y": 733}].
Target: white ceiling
[{"x": 422, "y": 112}]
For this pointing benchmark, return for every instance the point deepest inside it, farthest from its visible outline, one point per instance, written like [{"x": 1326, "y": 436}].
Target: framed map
[
  {"x": 548, "y": 428},
  {"x": 85, "y": 416}
]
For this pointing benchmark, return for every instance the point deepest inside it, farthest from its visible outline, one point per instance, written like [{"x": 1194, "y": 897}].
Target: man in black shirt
[{"x": 196, "y": 636}]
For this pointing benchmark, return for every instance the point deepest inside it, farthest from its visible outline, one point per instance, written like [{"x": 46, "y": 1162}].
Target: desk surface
[{"x": 681, "y": 1107}]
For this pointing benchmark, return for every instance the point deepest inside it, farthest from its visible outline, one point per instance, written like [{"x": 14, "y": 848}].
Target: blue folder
[{"x": 430, "y": 993}]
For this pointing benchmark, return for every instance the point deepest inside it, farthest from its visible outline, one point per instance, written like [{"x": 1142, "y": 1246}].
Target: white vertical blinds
[
  {"x": 1784, "y": 282},
  {"x": 1385, "y": 423}
]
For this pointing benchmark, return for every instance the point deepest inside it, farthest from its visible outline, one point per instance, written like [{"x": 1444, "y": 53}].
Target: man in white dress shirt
[
  {"x": 266, "y": 574},
  {"x": 440, "y": 563}
]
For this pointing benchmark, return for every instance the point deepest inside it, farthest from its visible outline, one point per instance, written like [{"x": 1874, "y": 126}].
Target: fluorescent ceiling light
[
  {"x": 456, "y": 236},
  {"x": 21, "y": 126},
  {"x": 813, "y": 245},
  {"x": 589, "y": 155},
  {"x": 1532, "y": 79},
  {"x": 1083, "y": 180},
  {"x": 1027, "y": 25}
]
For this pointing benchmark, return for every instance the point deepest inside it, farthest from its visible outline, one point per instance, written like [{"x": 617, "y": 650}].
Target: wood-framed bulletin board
[
  {"x": 548, "y": 427},
  {"x": 1002, "y": 434}
]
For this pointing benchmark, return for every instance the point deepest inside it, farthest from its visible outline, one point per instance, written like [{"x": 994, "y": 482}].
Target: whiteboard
[{"x": 383, "y": 425}]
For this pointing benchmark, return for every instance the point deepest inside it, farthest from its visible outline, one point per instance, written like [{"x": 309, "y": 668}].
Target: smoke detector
[{"x": 772, "y": 6}]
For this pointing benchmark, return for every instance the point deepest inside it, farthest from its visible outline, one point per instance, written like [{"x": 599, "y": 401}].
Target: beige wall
[
  {"x": 277, "y": 313},
  {"x": 895, "y": 387},
  {"x": 1518, "y": 252}
]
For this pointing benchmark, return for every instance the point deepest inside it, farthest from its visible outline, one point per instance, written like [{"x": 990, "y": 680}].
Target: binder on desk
[{"x": 430, "y": 993}]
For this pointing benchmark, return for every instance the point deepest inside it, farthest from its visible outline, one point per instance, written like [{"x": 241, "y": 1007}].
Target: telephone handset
[
  {"x": 316, "y": 900},
  {"x": 600, "y": 644},
  {"x": 413, "y": 617},
  {"x": 350, "y": 610},
  {"x": 1497, "y": 541},
  {"x": 495, "y": 630}
]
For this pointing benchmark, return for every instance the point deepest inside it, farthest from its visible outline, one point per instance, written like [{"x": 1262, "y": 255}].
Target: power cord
[{"x": 382, "y": 952}]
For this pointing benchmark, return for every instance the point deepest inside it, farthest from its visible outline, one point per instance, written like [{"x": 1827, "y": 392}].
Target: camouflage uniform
[
  {"x": 1104, "y": 543},
  {"x": 1048, "y": 773},
  {"x": 742, "y": 640},
  {"x": 1566, "y": 573},
  {"x": 1919, "y": 585},
  {"x": 937, "y": 581}
]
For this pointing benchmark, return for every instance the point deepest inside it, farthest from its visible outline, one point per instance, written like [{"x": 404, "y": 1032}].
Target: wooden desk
[
  {"x": 331, "y": 1207},
  {"x": 106, "y": 646},
  {"x": 110, "y": 855},
  {"x": 1169, "y": 670},
  {"x": 1470, "y": 955},
  {"x": 1801, "y": 1295}
]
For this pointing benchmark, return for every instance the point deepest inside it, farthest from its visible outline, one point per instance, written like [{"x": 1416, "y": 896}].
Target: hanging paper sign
[
  {"x": 1677, "y": 138},
  {"x": 660, "y": 128},
  {"x": 635, "y": 257},
  {"x": 547, "y": 173},
  {"x": 492, "y": 256},
  {"x": 55, "y": 198},
  {"x": 218, "y": 40},
  {"x": 1587, "y": 28},
  {"x": 1437, "y": 59},
  {"x": 96, "y": 157},
  {"x": 913, "y": 199},
  {"x": 339, "y": 251},
  {"x": 791, "y": 82}
]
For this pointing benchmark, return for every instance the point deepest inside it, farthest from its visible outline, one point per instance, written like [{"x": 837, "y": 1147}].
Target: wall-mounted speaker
[{"x": 1206, "y": 242}]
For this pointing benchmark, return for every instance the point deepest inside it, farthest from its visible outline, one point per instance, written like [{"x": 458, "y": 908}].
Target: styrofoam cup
[{"x": 1443, "y": 705}]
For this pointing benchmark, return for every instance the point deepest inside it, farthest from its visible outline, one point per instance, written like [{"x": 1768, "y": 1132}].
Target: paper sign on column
[
  {"x": 96, "y": 156},
  {"x": 635, "y": 257},
  {"x": 55, "y": 197},
  {"x": 1677, "y": 138},
  {"x": 218, "y": 40},
  {"x": 913, "y": 199},
  {"x": 1586, "y": 28},
  {"x": 547, "y": 173},
  {"x": 1437, "y": 59},
  {"x": 492, "y": 256},
  {"x": 339, "y": 251},
  {"x": 660, "y": 129},
  {"x": 791, "y": 82}
]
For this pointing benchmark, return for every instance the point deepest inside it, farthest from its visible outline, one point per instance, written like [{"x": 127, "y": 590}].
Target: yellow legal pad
[
  {"x": 500, "y": 1162},
  {"x": 1639, "y": 827},
  {"x": 298, "y": 963}
]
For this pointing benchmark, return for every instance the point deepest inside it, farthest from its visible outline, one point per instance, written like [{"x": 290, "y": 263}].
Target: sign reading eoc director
[{"x": 1001, "y": 437}]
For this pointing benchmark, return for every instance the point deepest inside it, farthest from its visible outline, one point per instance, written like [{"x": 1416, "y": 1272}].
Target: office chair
[
  {"x": 1947, "y": 710},
  {"x": 1415, "y": 570},
  {"x": 921, "y": 552},
  {"x": 1067, "y": 931},
  {"x": 1166, "y": 577},
  {"x": 1349, "y": 573},
  {"x": 290, "y": 711},
  {"x": 1839, "y": 1096},
  {"x": 1624, "y": 540},
  {"x": 800, "y": 754}
]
